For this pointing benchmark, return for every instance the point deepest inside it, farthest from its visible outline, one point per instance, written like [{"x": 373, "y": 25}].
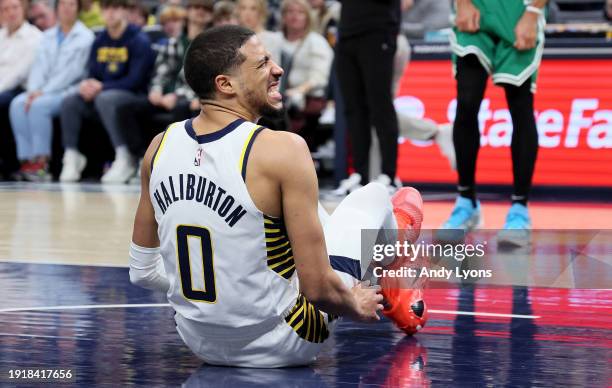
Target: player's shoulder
[
  {"x": 280, "y": 151},
  {"x": 281, "y": 142}
]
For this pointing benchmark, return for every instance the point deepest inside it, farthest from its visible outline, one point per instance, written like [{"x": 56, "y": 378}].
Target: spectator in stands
[
  {"x": 325, "y": 17},
  {"x": 119, "y": 68},
  {"x": 41, "y": 14},
  {"x": 18, "y": 43},
  {"x": 202, "y": 11},
  {"x": 59, "y": 66},
  {"x": 608, "y": 10},
  {"x": 253, "y": 14},
  {"x": 172, "y": 20},
  {"x": 91, "y": 15},
  {"x": 224, "y": 12},
  {"x": 138, "y": 13},
  {"x": 306, "y": 58},
  {"x": 169, "y": 92}
]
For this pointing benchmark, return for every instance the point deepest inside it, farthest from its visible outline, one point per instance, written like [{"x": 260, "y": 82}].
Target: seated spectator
[
  {"x": 325, "y": 17},
  {"x": 138, "y": 13},
  {"x": 608, "y": 10},
  {"x": 91, "y": 15},
  {"x": 120, "y": 62},
  {"x": 59, "y": 65},
  {"x": 224, "y": 13},
  {"x": 169, "y": 92},
  {"x": 253, "y": 14},
  {"x": 202, "y": 11},
  {"x": 41, "y": 14},
  {"x": 172, "y": 20},
  {"x": 18, "y": 43},
  {"x": 306, "y": 58}
]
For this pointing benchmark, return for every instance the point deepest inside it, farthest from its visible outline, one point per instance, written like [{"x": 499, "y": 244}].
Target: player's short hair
[
  {"x": 212, "y": 53},
  {"x": 114, "y": 3}
]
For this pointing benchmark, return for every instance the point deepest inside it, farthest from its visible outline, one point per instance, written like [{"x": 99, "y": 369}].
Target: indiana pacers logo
[{"x": 198, "y": 157}]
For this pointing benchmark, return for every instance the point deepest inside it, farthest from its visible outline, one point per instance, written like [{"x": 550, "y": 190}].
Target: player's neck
[{"x": 215, "y": 116}]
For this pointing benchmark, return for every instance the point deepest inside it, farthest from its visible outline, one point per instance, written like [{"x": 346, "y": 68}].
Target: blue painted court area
[{"x": 93, "y": 321}]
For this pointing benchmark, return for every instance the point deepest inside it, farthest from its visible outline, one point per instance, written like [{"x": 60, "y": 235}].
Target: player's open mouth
[{"x": 273, "y": 91}]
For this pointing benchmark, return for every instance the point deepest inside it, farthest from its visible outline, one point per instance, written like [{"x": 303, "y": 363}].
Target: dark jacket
[{"x": 123, "y": 63}]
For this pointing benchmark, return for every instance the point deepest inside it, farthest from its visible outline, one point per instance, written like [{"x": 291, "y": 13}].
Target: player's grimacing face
[{"x": 260, "y": 78}]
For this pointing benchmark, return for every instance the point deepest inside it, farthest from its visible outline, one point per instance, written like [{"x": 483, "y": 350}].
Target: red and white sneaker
[{"x": 405, "y": 304}]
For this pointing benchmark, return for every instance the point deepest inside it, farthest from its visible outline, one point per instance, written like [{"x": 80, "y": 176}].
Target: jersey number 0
[{"x": 209, "y": 293}]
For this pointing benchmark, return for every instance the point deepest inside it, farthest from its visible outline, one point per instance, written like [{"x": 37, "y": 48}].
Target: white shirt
[{"x": 17, "y": 54}]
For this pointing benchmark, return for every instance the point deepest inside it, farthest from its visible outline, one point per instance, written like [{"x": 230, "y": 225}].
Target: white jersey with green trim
[{"x": 230, "y": 267}]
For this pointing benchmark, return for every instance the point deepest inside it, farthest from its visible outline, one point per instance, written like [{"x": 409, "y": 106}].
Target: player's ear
[{"x": 224, "y": 84}]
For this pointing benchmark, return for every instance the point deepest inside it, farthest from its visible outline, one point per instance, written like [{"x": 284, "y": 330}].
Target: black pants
[
  {"x": 147, "y": 120},
  {"x": 364, "y": 66},
  {"x": 471, "y": 84}
]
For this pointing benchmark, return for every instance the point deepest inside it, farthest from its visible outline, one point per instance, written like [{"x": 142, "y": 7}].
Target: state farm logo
[{"x": 582, "y": 123}]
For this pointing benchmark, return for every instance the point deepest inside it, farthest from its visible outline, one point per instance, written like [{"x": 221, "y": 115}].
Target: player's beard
[{"x": 260, "y": 105}]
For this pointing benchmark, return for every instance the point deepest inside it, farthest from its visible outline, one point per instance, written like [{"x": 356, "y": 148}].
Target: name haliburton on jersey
[{"x": 206, "y": 192}]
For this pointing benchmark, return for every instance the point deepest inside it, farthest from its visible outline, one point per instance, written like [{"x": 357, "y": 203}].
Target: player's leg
[
  {"x": 516, "y": 71},
  {"x": 471, "y": 83},
  {"x": 367, "y": 217},
  {"x": 368, "y": 209},
  {"x": 524, "y": 149}
]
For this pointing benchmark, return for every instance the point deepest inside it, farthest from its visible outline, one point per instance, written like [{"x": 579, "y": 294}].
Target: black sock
[{"x": 468, "y": 192}]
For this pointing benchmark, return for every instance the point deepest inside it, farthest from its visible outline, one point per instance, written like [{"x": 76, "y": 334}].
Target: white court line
[
  {"x": 451, "y": 312},
  {"x": 43, "y": 336},
  {"x": 60, "y": 262},
  {"x": 84, "y": 307},
  {"x": 113, "y": 306}
]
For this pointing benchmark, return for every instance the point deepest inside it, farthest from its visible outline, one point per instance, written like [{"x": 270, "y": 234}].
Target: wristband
[{"x": 536, "y": 10}]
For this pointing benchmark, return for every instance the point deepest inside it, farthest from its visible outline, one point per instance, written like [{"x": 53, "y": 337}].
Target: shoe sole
[
  {"x": 507, "y": 239},
  {"x": 409, "y": 200}
]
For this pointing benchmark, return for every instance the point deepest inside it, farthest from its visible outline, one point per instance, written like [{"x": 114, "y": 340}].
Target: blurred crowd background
[{"x": 85, "y": 85}]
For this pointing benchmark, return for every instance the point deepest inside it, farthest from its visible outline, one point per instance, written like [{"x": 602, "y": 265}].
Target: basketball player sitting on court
[{"x": 229, "y": 225}]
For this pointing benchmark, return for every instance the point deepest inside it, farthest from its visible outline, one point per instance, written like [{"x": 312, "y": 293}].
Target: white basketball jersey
[{"x": 230, "y": 267}]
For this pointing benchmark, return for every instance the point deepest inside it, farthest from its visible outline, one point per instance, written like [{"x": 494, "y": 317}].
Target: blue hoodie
[{"x": 123, "y": 63}]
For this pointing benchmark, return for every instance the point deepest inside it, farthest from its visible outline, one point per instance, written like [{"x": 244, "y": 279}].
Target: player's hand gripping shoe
[{"x": 404, "y": 304}]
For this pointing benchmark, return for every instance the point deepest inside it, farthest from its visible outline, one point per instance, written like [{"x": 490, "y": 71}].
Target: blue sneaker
[
  {"x": 517, "y": 229},
  {"x": 464, "y": 218}
]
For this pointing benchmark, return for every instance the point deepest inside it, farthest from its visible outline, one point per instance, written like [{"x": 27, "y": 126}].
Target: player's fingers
[
  {"x": 476, "y": 21},
  {"x": 379, "y": 307},
  {"x": 365, "y": 283},
  {"x": 378, "y": 298}
]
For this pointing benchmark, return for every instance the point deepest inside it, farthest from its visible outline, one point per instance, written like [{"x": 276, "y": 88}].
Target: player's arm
[
  {"x": 526, "y": 30},
  {"x": 146, "y": 264},
  {"x": 318, "y": 281}
]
